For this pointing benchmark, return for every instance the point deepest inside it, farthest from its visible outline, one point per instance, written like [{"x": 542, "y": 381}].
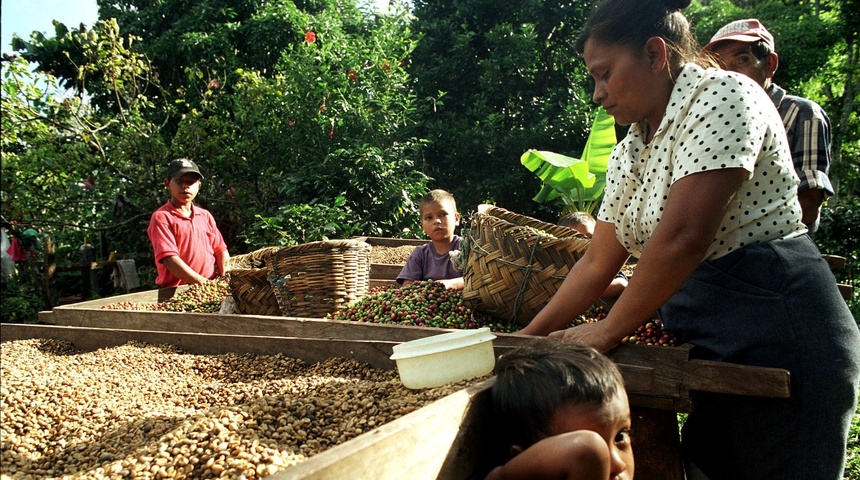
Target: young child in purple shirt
[{"x": 439, "y": 218}]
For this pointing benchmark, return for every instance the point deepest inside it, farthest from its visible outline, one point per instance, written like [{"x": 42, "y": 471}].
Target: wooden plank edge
[
  {"x": 433, "y": 442},
  {"x": 254, "y": 325},
  {"x": 378, "y": 282},
  {"x": 723, "y": 377},
  {"x": 835, "y": 262},
  {"x": 391, "y": 242},
  {"x": 312, "y": 350},
  {"x": 385, "y": 271},
  {"x": 145, "y": 296}
]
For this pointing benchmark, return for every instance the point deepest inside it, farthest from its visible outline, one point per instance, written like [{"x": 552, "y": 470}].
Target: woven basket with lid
[{"x": 516, "y": 263}]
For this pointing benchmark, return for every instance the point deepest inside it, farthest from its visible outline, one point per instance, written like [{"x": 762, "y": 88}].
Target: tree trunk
[
  {"x": 50, "y": 270},
  {"x": 847, "y": 107}
]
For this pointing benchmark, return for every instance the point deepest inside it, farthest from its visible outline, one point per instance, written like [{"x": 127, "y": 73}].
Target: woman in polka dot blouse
[{"x": 702, "y": 191}]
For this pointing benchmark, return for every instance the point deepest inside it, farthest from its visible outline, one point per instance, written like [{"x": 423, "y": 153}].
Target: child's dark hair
[
  {"x": 438, "y": 196},
  {"x": 532, "y": 383},
  {"x": 633, "y": 22},
  {"x": 574, "y": 219}
]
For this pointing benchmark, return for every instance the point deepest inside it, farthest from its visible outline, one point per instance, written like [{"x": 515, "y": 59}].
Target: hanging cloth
[
  {"x": 125, "y": 275},
  {"x": 16, "y": 250}
]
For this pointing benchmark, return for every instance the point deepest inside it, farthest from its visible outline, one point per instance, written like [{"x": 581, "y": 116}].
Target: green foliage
[
  {"x": 297, "y": 224},
  {"x": 25, "y": 292},
  {"x": 272, "y": 116},
  {"x": 79, "y": 170},
  {"x": 20, "y": 303},
  {"x": 327, "y": 127},
  {"x": 496, "y": 79},
  {"x": 839, "y": 234},
  {"x": 578, "y": 183}
]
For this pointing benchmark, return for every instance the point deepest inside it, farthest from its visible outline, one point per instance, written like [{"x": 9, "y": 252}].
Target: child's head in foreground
[
  {"x": 582, "y": 222},
  {"x": 540, "y": 392},
  {"x": 439, "y": 215}
]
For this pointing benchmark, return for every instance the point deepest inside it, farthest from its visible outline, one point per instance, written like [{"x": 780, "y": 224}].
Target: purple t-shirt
[{"x": 424, "y": 263}]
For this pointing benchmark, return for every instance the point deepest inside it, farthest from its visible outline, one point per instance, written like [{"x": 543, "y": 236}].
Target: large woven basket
[
  {"x": 516, "y": 263},
  {"x": 249, "y": 283},
  {"x": 318, "y": 278}
]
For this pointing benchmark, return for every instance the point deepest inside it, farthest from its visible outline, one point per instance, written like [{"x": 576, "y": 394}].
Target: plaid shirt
[{"x": 808, "y": 130}]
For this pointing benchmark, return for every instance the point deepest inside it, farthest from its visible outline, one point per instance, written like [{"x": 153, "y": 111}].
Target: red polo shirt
[{"x": 195, "y": 239}]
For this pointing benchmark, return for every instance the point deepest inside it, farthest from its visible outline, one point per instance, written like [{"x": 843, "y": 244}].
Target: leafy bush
[
  {"x": 20, "y": 304},
  {"x": 839, "y": 234},
  {"x": 496, "y": 79},
  {"x": 578, "y": 182},
  {"x": 297, "y": 224},
  {"x": 324, "y": 133}
]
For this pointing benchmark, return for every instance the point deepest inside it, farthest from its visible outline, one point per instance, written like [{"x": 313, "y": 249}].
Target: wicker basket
[
  {"x": 318, "y": 278},
  {"x": 249, "y": 283},
  {"x": 516, "y": 263}
]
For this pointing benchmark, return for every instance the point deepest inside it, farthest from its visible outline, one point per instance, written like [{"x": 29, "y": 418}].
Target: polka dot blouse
[{"x": 714, "y": 120}]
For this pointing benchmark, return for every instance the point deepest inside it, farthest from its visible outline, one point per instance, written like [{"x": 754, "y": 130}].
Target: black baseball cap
[{"x": 181, "y": 166}]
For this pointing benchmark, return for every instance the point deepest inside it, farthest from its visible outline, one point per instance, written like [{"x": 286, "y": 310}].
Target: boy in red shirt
[{"x": 187, "y": 244}]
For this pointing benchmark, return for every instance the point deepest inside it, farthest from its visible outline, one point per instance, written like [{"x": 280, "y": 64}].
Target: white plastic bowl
[{"x": 446, "y": 358}]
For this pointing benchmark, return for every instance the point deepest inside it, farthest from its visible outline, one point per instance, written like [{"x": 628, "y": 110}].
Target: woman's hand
[{"x": 591, "y": 334}]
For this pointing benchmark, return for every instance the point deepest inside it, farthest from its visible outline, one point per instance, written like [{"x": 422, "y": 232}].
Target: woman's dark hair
[
  {"x": 633, "y": 22},
  {"x": 533, "y": 382}
]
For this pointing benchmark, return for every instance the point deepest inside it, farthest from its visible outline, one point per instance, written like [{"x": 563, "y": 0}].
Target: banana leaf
[{"x": 578, "y": 182}]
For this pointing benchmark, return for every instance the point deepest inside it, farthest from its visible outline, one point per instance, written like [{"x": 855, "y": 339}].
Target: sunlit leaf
[{"x": 578, "y": 182}]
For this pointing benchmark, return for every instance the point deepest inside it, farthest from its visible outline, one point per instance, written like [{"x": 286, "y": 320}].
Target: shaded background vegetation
[{"x": 318, "y": 119}]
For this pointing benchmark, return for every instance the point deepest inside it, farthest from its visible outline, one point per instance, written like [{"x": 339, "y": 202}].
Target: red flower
[
  {"x": 230, "y": 191},
  {"x": 214, "y": 84},
  {"x": 402, "y": 63},
  {"x": 352, "y": 75},
  {"x": 310, "y": 37},
  {"x": 331, "y": 133},
  {"x": 386, "y": 65},
  {"x": 322, "y": 107}
]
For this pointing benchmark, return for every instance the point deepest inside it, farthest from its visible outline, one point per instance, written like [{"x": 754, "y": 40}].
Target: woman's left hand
[{"x": 590, "y": 334}]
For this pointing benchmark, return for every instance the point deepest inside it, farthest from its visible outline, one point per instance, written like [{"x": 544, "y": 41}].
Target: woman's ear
[
  {"x": 655, "y": 49},
  {"x": 515, "y": 450}
]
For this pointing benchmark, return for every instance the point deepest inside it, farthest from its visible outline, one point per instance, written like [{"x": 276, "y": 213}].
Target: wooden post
[
  {"x": 50, "y": 271},
  {"x": 656, "y": 444},
  {"x": 86, "y": 281},
  {"x": 87, "y": 254}
]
